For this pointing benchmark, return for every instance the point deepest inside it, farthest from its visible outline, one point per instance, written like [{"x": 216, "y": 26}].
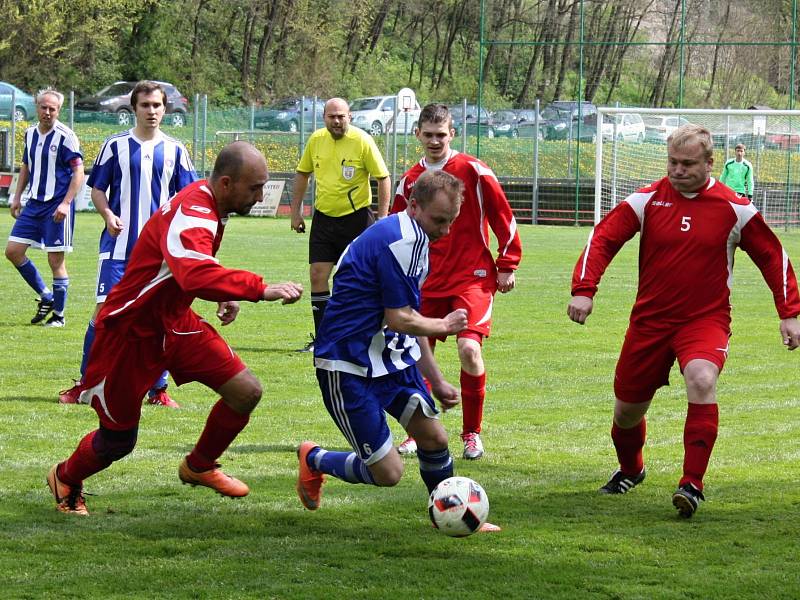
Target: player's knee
[
  {"x": 110, "y": 445},
  {"x": 389, "y": 476},
  {"x": 249, "y": 396},
  {"x": 435, "y": 438},
  {"x": 701, "y": 379},
  {"x": 14, "y": 255}
]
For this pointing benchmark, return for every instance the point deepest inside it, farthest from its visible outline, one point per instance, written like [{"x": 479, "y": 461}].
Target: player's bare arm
[
  {"x": 790, "y": 333},
  {"x": 62, "y": 210},
  {"x": 287, "y": 293},
  {"x": 407, "y": 320},
  {"x": 114, "y": 223},
  {"x": 506, "y": 281},
  {"x": 298, "y": 191},
  {"x": 227, "y": 311},
  {"x": 579, "y": 308},
  {"x": 447, "y": 394},
  {"x": 15, "y": 206}
]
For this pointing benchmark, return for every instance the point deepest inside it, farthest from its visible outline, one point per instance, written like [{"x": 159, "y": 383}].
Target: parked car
[
  {"x": 114, "y": 102},
  {"x": 659, "y": 128},
  {"x": 505, "y": 123},
  {"x": 24, "y": 104},
  {"x": 375, "y": 115},
  {"x": 627, "y": 127},
  {"x": 560, "y": 120},
  {"x": 485, "y": 123},
  {"x": 782, "y": 141},
  {"x": 286, "y": 115}
]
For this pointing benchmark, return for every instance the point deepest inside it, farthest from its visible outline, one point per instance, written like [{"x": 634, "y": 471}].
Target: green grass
[{"x": 548, "y": 449}]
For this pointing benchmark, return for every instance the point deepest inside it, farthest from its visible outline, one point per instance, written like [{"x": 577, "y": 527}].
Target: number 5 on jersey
[{"x": 686, "y": 223}]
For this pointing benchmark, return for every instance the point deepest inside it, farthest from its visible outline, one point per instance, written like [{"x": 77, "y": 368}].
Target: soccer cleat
[
  {"x": 43, "y": 309},
  {"x": 489, "y": 528},
  {"x": 71, "y": 395},
  {"x": 69, "y": 499},
  {"x": 309, "y": 481},
  {"x": 55, "y": 321},
  {"x": 213, "y": 478},
  {"x": 161, "y": 398},
  {"x": 309, "y": 347},
  {"x": 621, "y": 483},
  {"x": 687, "y": 499},
  {"x": 409, "y": 446},
  {"x": 473, "y": 447}
]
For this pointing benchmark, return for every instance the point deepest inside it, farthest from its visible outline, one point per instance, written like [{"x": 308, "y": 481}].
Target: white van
[{"x": 375, "y": 114}]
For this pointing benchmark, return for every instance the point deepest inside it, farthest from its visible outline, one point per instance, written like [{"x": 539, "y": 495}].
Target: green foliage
[{"x": 548, "y": 414}]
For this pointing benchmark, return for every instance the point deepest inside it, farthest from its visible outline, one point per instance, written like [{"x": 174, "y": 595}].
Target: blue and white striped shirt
[
  {"x": 138, "y": 177},
  {"x": 382, "y": 268},
  {"x": 48, "y": 157}
]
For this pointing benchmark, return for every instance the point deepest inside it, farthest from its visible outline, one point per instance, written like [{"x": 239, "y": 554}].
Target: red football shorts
[
  {"x": 478, "y": 303},
  {"x": 122, "y": 369},
  {"x": 648, "y": 353}
]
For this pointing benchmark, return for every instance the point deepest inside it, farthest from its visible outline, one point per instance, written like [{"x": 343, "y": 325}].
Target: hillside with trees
[{"x": 239, "y": 51}]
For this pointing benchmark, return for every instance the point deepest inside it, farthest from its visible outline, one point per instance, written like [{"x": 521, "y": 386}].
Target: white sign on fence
[{"x": 268, "y": 206}]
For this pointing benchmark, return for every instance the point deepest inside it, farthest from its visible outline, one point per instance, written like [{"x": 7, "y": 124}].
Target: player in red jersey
[
  {"x": 690, "y": 226},
  {"x": 463, "y": 271},
  {"x": 147, "y": 325}
]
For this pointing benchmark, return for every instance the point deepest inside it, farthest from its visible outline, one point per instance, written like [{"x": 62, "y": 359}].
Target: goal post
[{"x": 631, "y": 151}]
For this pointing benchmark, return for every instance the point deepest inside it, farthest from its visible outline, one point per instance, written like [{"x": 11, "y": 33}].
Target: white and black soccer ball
[{"x": 458, "y": 506}]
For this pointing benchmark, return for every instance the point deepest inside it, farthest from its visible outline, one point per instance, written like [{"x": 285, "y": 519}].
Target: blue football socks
[
  {"x": 34, "y": 279},
  {"x": 88, "y": 339},
  {"x": 434, "y": 466},
  {"x": 346, "y": 466},
  {"x": 60, "y": 286}
]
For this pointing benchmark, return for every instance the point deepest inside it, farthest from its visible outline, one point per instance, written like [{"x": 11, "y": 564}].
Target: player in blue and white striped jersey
[
  {"x": 136, "y": 172},
  {"x": 369, "y": 361},
  {"x": 50, "y": 176}
]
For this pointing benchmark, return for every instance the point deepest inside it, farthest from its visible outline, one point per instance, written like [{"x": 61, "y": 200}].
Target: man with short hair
[
  {"x": 372, "y": 350},
  {"x": 737, "y": 173},
  {"x": 464, "y": 272},
  {"x": 689, "y": 227},
  {"x": 342, "y": 160},
  {"x": 50, "y": 177},
  {"x": 146, "y": 325},
  {"x": 136, "y": 172}
]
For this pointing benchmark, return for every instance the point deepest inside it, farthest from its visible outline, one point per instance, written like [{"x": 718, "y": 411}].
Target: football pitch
[{"x": 546, "y": 432}]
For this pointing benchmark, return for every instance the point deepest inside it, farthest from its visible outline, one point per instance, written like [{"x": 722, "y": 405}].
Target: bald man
[
  {"x": 146, "y": 325},
  {"x": 342, "y": 159}
]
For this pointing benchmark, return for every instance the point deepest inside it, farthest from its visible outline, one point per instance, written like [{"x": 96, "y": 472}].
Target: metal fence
[{"x": 549, "y": 176}]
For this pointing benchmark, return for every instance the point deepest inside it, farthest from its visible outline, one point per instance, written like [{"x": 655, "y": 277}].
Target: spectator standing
[
  {"x": 342, "y": 160},
  {"x": 147, "y": 325},
  {"x": 464, "y": 273},
  {"x": 50, "y": 177},
  {"x": 737, "y": 173},
  {"x": 136, "y": 172},
  {"x": 689, "y": 227}
]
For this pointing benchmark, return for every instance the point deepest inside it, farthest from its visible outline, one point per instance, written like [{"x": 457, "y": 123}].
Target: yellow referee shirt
[{"x": 342, "y": 169}]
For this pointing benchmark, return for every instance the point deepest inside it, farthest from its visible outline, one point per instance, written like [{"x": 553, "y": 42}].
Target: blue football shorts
[
  {"x": 109, "y": 272},
  {"x": 358, "y": 406},
  {"x": 35, "y": 227}
]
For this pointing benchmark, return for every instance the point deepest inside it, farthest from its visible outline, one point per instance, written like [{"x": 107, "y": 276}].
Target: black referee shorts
[{"x": 330, "y": 235}]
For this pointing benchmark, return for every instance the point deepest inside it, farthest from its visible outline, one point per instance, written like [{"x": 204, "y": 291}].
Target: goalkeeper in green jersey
[{"x": 737, "y": 173}]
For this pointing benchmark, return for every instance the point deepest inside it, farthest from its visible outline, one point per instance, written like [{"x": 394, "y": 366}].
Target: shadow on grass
[{"x": 49, "y": 399}]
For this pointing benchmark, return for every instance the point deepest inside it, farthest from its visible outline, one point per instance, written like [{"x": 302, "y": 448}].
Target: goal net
[{"x": 631, "y": 151}]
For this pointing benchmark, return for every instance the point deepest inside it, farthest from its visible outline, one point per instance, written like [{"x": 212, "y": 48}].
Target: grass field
[{"x": 548, "y": 450}]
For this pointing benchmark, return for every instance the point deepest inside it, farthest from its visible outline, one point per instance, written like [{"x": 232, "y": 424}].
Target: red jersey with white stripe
[
  {"x": 463, "y": 258},
  {"x": 686, "y": 250},
  {"x": 173, "y": 263}
]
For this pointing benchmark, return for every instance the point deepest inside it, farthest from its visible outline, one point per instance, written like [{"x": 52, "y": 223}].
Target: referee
[{"x": 342, "y": 159}]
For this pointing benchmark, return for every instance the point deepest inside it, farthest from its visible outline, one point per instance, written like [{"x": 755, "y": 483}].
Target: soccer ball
[{"x": 458, "y": 506}]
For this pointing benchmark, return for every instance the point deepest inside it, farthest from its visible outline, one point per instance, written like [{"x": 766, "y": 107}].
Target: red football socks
[
  {"x": 83, "y": 463},
  {"x": 222, "y": 427},
  {"x": 473, "y": 393},
  {"x": 699, "y": 435},
  {"x": 629, "y": 443}
]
